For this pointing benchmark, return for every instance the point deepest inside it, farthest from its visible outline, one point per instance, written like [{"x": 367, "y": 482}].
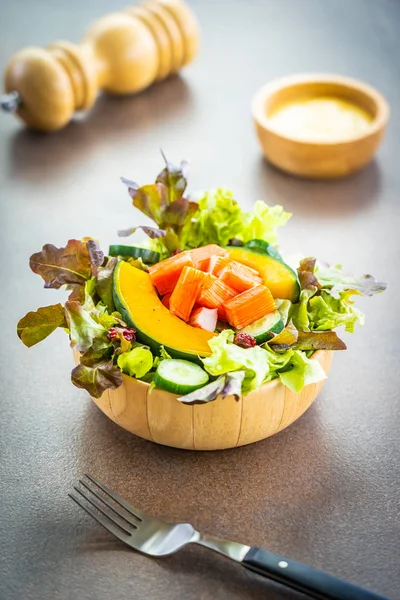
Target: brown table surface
[{"x": 326, "y": 490}]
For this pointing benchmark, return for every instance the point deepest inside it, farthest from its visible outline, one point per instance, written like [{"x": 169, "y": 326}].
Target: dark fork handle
[{"x": 302, "y": 578}]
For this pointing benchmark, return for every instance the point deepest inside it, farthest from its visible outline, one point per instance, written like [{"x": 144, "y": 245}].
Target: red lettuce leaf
[
  {"x": 337, "y": 281},
  {"x": 96, "y": 256},
  {"x": 174, "y": 179},
  {"x": 98, "y": 378},
  {"x": 318, "y": 340},
  {"x": 164, "y": 203},
  {"x": 233, "y": 384},
  {"x": 72, "y": 265},
  {"x": 286, "y": 338},
  {"x": 151, "y": 232},
  {"x": 151, "y": 200},
  {"x": 36, "y": 326},
  {"x": 205, "y": 394},
  {"x": 306, "y": 274},
  {"x": 178, "y": 211},
  {"x": 226, "y": 385}
]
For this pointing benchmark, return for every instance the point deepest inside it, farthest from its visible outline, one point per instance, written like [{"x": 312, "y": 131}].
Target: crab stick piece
[
  {"x": 165, "y": 274},
  {"x": 185, "y": 293},
  {"x": 204, "y": 318},
  {"x": 249, "y": 306}
]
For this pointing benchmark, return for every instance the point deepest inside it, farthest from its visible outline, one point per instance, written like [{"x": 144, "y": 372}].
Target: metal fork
[{"x": 157, "y": 538}]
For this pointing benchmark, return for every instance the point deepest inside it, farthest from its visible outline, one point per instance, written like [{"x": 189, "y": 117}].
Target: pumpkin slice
[
  {"x": 280, "y": 279},
  {"x": 136, "y": 299}
]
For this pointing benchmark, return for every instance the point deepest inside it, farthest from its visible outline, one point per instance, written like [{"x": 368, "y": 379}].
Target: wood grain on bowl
[{"x": 225, "y": 423}]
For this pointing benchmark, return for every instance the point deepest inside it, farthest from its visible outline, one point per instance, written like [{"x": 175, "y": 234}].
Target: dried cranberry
[
  {"x": 244, "y": 340},
  {"x": 235, "y": 242},
  {"x": 129, "y": 334},
  {"x": 112, "y": 333},
  {"x": 175, "y": 252}
]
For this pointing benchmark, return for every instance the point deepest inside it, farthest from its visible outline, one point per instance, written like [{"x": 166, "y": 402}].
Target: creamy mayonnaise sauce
[{"x": 322, "y": 118}]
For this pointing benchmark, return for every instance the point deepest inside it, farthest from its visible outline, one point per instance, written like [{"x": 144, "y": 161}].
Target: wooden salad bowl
[{"x": 224, "y": 423}]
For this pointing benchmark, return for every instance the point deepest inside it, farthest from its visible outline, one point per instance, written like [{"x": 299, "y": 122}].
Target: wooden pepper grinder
[{"x": 122, "y": 53}]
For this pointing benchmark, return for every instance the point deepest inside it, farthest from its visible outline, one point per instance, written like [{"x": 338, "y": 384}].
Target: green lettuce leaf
[
  {"x": 301, "y": 371},
  {"x": 104, "y": 284},
  {"x": 337, "y": 281},
  {"x": 217, "y": 220},
  {"x": 283, "y": 307},
  {"x": 227, "y": 357},
  {"x": 259, "y": 364},
  {"x": 299, "y": 311},
  {"x": 326, "y": 312},
  {"x": 263, "y": 222},
  {"x": 84, "y": 331},
  {"x": 98, "y": 378},
  {"x": 36, "y": 326},
  {"x": 136, "y": 362}
]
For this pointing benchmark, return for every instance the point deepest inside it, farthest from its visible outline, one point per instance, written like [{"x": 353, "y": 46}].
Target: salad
[{"x": 205, "y": 306}]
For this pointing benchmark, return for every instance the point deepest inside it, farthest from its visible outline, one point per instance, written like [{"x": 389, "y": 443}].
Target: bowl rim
[{"x": 268, "y": 90}]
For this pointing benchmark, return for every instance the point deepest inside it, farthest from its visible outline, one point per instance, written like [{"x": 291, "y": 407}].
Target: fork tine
[
  {"x": 128, "y": 507},
  {"x": 117, "y": 511},
  {"x": 100, "y": 509},
  {"x": 103, "y": 521}
]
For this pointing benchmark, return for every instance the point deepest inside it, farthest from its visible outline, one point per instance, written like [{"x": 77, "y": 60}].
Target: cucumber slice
[
  {"x": 148, "y": 256},
  {"x": 263, "y": 248},
  {"x": 262, "y": 329},
  {"x": 179, "y": 376}
]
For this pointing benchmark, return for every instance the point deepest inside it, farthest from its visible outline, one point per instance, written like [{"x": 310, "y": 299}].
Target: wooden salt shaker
[{"x": 122, "y": 53}]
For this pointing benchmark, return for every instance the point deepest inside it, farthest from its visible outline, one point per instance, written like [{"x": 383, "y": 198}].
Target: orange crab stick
[
  {"x": 165, "y": 274},
  {"x": 185, "y": 293},
  {"x": 247, "y": 307},
  {"x": 204, "y": 318},
  {"x": 214, "y": 292},
  {"x": 239, "y": 277},
  {"x": 201, "y": 256},
  {"x": 217, "y": 264}
]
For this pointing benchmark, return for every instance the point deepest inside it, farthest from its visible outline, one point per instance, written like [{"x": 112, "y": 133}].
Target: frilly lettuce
[
  {"x": 337, "y": 281},
  {"x": 301, "y": 371},
  {"x": 227, "y": 357},
  {"x": 215, "y": 218},
  {"x": 261, "y": 364},
  {"x": 263, "y": 221},
  {"x": 219, "y": 219},
  {"x": 326, "y": 312}
]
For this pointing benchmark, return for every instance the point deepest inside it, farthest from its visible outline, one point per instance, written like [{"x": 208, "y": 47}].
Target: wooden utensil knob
[{"x": 122, "y": 53}]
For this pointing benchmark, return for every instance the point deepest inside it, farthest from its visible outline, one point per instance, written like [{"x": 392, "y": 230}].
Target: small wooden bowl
[
  {"x": 225, "y": 423},
  {"x": 319, "y": 159}
]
